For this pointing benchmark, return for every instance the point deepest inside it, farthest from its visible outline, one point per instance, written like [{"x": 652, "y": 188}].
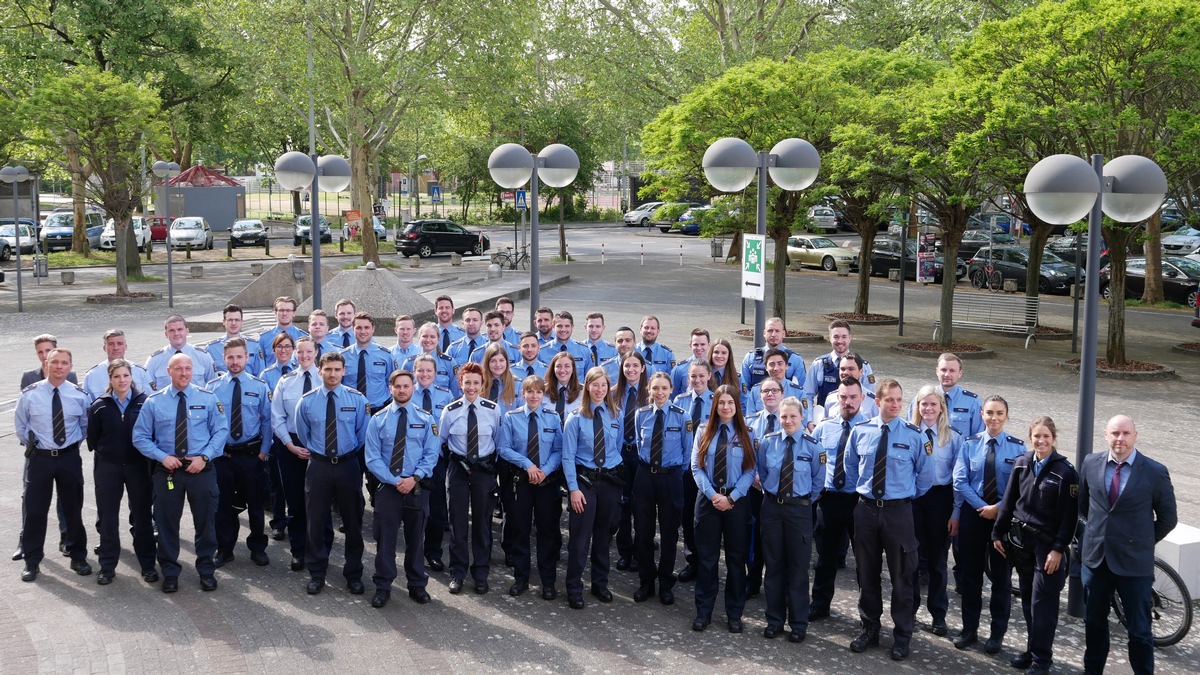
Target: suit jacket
[
  {"x": 1124, "y": 534},
  {"x": 35, "y": 375}
]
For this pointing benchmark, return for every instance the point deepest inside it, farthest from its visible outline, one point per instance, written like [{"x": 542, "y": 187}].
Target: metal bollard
[
  {"x": 149, "y": 251},
  {"x": 303, "y": 247},
  {"x": 267, "y": 247},
  {"x": 189, "y": 251},
  {"x": 341, "y": 245},
  {"x": 229, "y": 248}
]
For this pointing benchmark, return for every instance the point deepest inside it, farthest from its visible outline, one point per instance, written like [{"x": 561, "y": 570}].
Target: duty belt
[
  {"x": 802, "y": 501},
  {"x": 250, "y": 447},
  {"x": 334, "y": 460},
  {"x": 885, "y": 502},
  {"x": 659, "y": 469},
  {"x": 55, "y": 452}
]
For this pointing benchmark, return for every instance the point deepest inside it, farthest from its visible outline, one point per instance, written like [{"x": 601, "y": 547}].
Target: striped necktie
[{"x": 400, "y": 444}]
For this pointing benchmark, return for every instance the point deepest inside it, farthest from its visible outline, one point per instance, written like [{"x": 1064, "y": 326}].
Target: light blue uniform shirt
[
  {"x": 351, "y": 408},
  {"x": 676, "y": 443},
  {"x": 944, "y": 457},
  {"x": 828, "y": 434},
  {"x": 452, "y": 427},
  {"x": 267, "y": 338},
  {"x": 455, "y": 333},
  {"x": 275, "y": 373},
  {"x": 461, "y": 349},
  {"x": 339, "y": 337},
  {"x": 522, "y": 370},
  {"x": 439, "y": 398},
  {"x": 154, "y": 431},
  {"x": 444, "y": 371},
  {"x": 752, "y": 365},
  {"x": 824, "y": 371},
  {"x": 686, "y": 401},
  {"x": 287, "y": 396},
  {"x": 578, "y": 447},
  {"x": 613, "y": 368},
  {"x": 660, "y": 359},
  {"x": 34, "y": 413},
  {"x": 579, "y": 353},
  {"x": 512, "y": 335},
  {"x": 402, "y": 354},
  {"x": 95, "y": 382},
  {"x": 379, "y": 367},
  {"x": 808, "y": 464},
  {"x": 156, "y": 366},
  {"x": 753, "y": 401},
  {"x": 600, "y": 350},
  {"x": 759, "y": 421},
  {"x": 968, "y": 470},
  {"x": 420, "y": 450},
  {"x": 514, "y": 439},
  {"x": 736, "y": 480},
  {"x": 909, "y": 473},
  {"x": 256, "y": 407},
  {"x": 216, "y": 351},
  {"x": 514, "y": 354}
]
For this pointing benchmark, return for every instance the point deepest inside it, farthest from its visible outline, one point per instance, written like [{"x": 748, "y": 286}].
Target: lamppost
[
  {"x": 1062, "y": 189},
  {"x": 730, "y": 164},
  {"x": 511, "y": 165},
  {"x": 166, "y": 171},
  {"x": 16, "y": 175},
  {"x": 329, "y": 173}
]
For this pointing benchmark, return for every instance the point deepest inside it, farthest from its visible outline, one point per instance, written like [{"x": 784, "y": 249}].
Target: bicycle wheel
[
  {"x": 995, "y": 281},
  {"x": 1170, "y": 606},
  {"x": 523, "y": 261}
]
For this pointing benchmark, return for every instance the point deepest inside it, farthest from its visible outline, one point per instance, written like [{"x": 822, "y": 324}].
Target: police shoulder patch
[
  {"x": 804, "y": 403},
  {"x": 672, "y": 363},
  {"x": 824, "y": 457},
  {"x": 871, "y": 378},
  {"x": 220, "y": 408},
  {"x": 1074, "y": 491}
]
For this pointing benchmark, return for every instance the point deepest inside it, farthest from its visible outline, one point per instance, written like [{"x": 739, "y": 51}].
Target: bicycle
[
  {"x": 1170, "y": 606},
  {"x": 511, "y": 258},
  {"x": 987, "y": 277}
]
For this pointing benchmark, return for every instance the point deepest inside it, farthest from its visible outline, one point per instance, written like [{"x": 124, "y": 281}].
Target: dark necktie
[
  {"x": 285, "y": 370},
  {"x": 181, "y": 425},
  {"x": 771, "y": 423},
  {"x": 400, "y": 444},
  {"x": 990, "y": 494},
  {"x": 494, "y": 394},
  {"x": 528, "y": 371},
  {"x": 533, "y": 442},
  {"x": 788, "y": 468},
  {"x": 331, "y": 444},
  {"x": 345, "y": 340},
  {"x": 656, "y": 440},
  {"x": 717, "y": 375},
  {"x": 426, "y": 401},
  {"x": 235, "y": 411},
  {"x": 307, "y": 383},
  {"x": 839, "y": 466},
  {"x": 470, "y": 347},
  {"x": 932, "y": 443},
  {"x": 879, "y": 477},
  {"x": 445, "y": 340},
  {"x": 696, "y": 403},
  {"x": 563, "y": 348},
  {"x": 560, "y": 406},
  {"x": 595, "y": 356},
  {"x": 60, "y": 422},
  {"x": 720, "y": 460},
  {"x": 598, "y": 438},
  {"x": 646, "y": 352},
  {"x": 1114, "y": 488},
  {"x": 630, "y": 408},
  {"x": 472, "y": 433},
  {"x": 362, "y": 372}
]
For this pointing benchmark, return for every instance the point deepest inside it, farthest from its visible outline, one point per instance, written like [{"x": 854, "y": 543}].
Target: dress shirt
[
  {"x": 514, "y": 439},
  {"x": 808, "y": 463},
  {"x": 256, "y": 407},
  {"x": 421, "y": 448},
  {"x": 95, "y": 381},
  {"x": 578, "y": 446},
  {"x": 676, "y": 443},
  {"x": 909, "y": 473},
  {"x": 738, "y": 481},
  {"x": 34, "y": 413},
  {"x": 969, "y": 468},
  {"x": 208, "y": 429},
  {"x": 351, "y": 419},
  {"x": 452, "y": 427},
  {"x": 156, "y": 366}
]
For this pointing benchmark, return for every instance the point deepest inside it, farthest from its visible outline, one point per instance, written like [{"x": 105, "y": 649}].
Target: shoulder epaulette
[
  {"x": 294, "y": 372},
  {"x": 455, "y": 405},
  {"x": 809, "y": 437},
  {"x": 518, "y": 411},
  {"x": 486, "y": 403},
  {"x": 206, "y": 345},
  {"x": 438, "y": 387},
  {"x": 975, "y": 437},
  {"x": 160, "y": 351},
  {"x": 1014, "y": 439},
  {"x": 912, "y": 426},
  {"x": 869, "y": 394},
  {"x": 776, "y": 433},
  {"x": 862, "y": 423},
  {"x": 970, "y": 393},
  {"x": 647, "y": 407},
  {"x": 677, "y": 409},
  {"x": 30, "y": 387},
  {"x": 311, "y": 392},
  {"x": 255, "y": 378}
]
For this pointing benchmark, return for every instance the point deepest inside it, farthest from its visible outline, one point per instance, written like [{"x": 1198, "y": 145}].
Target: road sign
[
  {"x": 521, "y": 201},
  {"x": 754, "y": 266},
  {"x": 404, "y": 186},
  {"x": 508, "y": 195},
  {"x": 435, "y": 194}
]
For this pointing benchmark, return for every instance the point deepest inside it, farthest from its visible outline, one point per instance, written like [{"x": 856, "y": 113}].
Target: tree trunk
[
  {"x": 1154, "y": 287},
  {"x": 121, "y": 232},
  {"x": 79, "y": 242},
  {"x": 360, "y": 197},
  {"x": 950, "y": 242},
  {"x": 1117, "y": 239},
  {"x": 133, "y": 261},
  {"x": 1040, "y": 232},
  {"x": 562, "y": 229},
  {"x": 779, "y": 278},
  {"x": 735, "y": 247}
]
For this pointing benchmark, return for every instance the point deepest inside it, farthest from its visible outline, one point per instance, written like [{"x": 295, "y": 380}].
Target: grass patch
[
  {"x": 71, "y": 259},
  {"x": 382, "y": 263},
  {"x": 113, "y": 280},
  {"x": 1165, "y": 304},
  {"x": 556, "y": 258}
]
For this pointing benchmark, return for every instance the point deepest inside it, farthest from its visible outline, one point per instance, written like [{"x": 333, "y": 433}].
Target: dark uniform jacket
[
  {"x": 1048, "y": 502},
  {"x": 110, "y": 434}
]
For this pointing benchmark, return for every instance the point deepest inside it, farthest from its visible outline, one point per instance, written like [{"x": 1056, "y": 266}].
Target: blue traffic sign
[
  {"x": 521, "y": 202},
  {"x": 435, "y": 193}
]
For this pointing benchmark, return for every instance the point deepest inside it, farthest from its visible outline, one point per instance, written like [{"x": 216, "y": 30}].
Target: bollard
[
  {"x": 149, "y": 249},
  {"x": 256, "y": 269},
  {"x": 68, "y": 277},
  {"x": 303, "y": 247},
  {"x": 267, "y": 247},
  {"x": 341, "y": 245},
  {"x": 197, "y": 271},
  {"x": 643, "y": 254},
  {"x": 189, "y": 251},
  {"x": 681, "y": 255},
  {"x": 456, "y": 260},
  {"x": 567, "y": 260},
  {"x": 601, "y": 254},
  {"x": 229, "y": 248}
]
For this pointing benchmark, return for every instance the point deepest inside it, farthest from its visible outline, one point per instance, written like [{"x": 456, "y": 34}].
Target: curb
[
  {"x": 1143, "y": 376},
  {"x": 894, "y": 321},
  {"x": 99, "y": 300},
  {"x": 1181, "y": 350},
  {"x": 807, "y": 339},
  {"x": 966, "y": 356}
]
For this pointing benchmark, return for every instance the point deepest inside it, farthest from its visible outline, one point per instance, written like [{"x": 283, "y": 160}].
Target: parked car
[
  {"x": 303, "y": 225},
  {"x": 822, "y": 252},
  {"x": 435, "y": 235},
  {"x": 141, "y": 234},
  {"x": 973, "y": 240},
  {"x": 248, "y": 232},
  {"x": 885, "y": 256},
  {"x": 1056, "y": 275},
  {"x": 59, "y": 230},
  {"x": 689, "y": 222},
  {"x": 928, "y": 227},
  {"x": 380, "y": 230},
  {"x": 666, "y": 216},
  {"x": 190, "y": 230},
  {"x": 640, "y": 215},
  {"x": 1184, "y": 241},
  {"x": 159, "y": 225},
  {"x": 1180, "y": 279},
  {"x": 822, "y": 219},
  {"x": 8, "y": 237},
  {"x": 1064, "y": 247}
]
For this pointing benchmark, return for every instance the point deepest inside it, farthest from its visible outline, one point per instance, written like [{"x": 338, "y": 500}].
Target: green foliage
[{"x": 669, "y": 212}]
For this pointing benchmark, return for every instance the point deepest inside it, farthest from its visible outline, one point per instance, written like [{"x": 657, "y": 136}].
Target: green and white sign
[{"x": 754, "y": 266}]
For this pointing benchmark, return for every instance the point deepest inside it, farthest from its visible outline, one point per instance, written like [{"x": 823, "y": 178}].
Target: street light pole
[
  {"x": 166, "y": 171},
  {"x": 16, "y": 175}
]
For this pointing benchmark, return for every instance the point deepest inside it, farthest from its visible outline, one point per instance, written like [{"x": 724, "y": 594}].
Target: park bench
[{"x": 1000, "y": 313}]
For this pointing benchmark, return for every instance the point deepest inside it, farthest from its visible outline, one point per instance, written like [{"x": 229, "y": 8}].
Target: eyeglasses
[{"x": 772, "y": 391}]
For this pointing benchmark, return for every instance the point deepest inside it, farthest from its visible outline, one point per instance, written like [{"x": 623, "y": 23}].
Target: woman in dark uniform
[
  {"x": 1034, "y": 527},
  {"x": 118, "y": 468}
]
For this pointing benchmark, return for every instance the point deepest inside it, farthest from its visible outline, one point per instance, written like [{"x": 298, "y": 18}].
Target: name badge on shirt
[
  {"x": 380, "y": 363},
  {"x": 613, "y": 426},
  {"x": 197, "y": 407},
  {"x": 804, "y": 459},
  {"x": 252, "y": 393},
  {"x": 902, "y": 446},
  {"x": 348, "y": 409},
  {"x": 1010, "y": 460},
  {"x": 962, "y": 410},
  {"x": 549, "y": 430},
  {"x": 417, "y": 426},
  {"x": 675, "y": 429}
]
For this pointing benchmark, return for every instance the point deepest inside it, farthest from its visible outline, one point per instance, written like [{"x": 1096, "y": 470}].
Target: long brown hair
[
  {"x": 730, "y": 376},
  {"x": 552, "y": 383},
  {"x": 508, "y": 385},
  {"x": 585, "y": 407},
  {"x": 739, "y": 427},
  {"x": 623, "y": 384}
]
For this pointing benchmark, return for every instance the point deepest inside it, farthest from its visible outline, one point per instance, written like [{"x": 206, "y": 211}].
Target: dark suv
[{"x": 428, "y": 236}]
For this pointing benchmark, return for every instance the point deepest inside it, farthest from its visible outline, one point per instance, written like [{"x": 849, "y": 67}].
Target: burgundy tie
[{"x": 1114, "y": 488}]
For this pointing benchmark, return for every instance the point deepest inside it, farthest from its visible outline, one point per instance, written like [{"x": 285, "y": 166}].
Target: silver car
[
  {"x": 640, "y": 216},
  {"x": 190, "y": 230}
]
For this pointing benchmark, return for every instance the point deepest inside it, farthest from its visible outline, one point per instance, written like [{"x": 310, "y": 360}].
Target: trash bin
[
  {"x": 717, "y": 249},
  {"x": 41, "y": 266}
]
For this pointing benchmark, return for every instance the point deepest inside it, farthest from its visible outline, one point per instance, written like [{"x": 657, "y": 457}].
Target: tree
[{"x": 109, "y": 119}]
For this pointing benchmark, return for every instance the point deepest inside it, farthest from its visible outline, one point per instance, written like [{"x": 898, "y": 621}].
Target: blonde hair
[{"x": 943, "y": 419}]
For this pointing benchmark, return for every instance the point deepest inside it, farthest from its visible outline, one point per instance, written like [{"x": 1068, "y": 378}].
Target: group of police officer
[{"x": 763, "y": 458}]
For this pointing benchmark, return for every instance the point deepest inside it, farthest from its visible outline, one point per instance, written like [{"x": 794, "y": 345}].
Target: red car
[{"x": 158, "y": 227}]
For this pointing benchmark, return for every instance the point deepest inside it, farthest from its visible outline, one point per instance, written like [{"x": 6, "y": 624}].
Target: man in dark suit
[{"x": 1129, "y": 505}]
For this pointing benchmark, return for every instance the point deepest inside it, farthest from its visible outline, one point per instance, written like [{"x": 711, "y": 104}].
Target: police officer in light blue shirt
[
  {"x": 176, "y": 330},
  {"x": 887, "y": 464},
  {"x": 95, "y": 381},
  {"x": 697, "y": 403},
  {"x": 406, "y": 345},
  {"x": 184, "y": 451},
  {"x": 433, "y": 399},
  {"x": 290, "y": 455},
  {"x": 659, "y": 357},
  {"x": 776, "y": 361},
  {"x": 51, "y": 420},
  {"x": 231, "y": 318},
  {"x": 341, "y": 335},
  {"x": 334, "y": 470},
  {"x": 564, "y": 328},
  {"x": 241, "y": 470},
  {"x": 445, "y": 367},
  {"x": 472, "y": 337},
  {"x": 981, "y": 475},
  {"x": 753, "y": 366},
  {"x": 285, "y": 312},
  {"x": 824, "y": 372},
  {"x": 447, "y": 332},
  {"x": 529, "y": 363},
  {"x": 493, "y": 323},
  {"x": 401, "y": 451},
  {"x": 698, "y": 342},
  {"x": 506, "y": 307},
  {"x": 601, "y": 350},
  {"x": 368, "y": 364}
]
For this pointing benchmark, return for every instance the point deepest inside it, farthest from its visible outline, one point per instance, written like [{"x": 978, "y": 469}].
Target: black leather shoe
[
  {"x": 966, "y": 640},
  {"x": 666, "y": 597},
  {"x": 150, "y": 576},
  {"x": 735, "y": 625},
  {"x": 549, "y": 593},
  {"x": 699, "y": 623},
  {"x": 633, "y": 566},
  {"x": 30, "y": 574},
  {"x": 260, "y": 558},
  {"x": 435, "y": 565},
  {"x": 939, "y": 627},
  {"x": 623, "y": 563},
  {"x": 456, "y": 586},
  {"x": 899, "y": 651},
  {"x": 643, "y": 593},
  {"x": 688, "y": 573},
  {"x": 602, "y": 594},
  {"x": 221, "y": 558},
  {"x": 170, "y": 584},
  {"x": 772, "y": 632},
  {"x": 481, "y": 587},
  {"x": 419, "y": 595},
  {"x": 104, "y": 578},
  {"x": 297, "y": 563},
  {"x": 518, "y": 588},
  {"x": 18, "y": 554},
  {"x": 315, "y": 586},
  {"x": 992, "y": 646},
  {"x": 1022, "y": 661},
  {"x": 1036, "y": 670},
  {"x": 796, "y": 637},
  {"x": 208, "y": 582},
  {"x": 380, "y": 598},
  {"x": 81, "y": 567},
  {"x": 356, "y": 587},
  {"x": 62, "y": 547},
  {"x": 278, "y": 534},
  {"x": 862, "y": 642},
  {"x": 818, "y": 614},
  {"x": 575, "y": 600}
]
